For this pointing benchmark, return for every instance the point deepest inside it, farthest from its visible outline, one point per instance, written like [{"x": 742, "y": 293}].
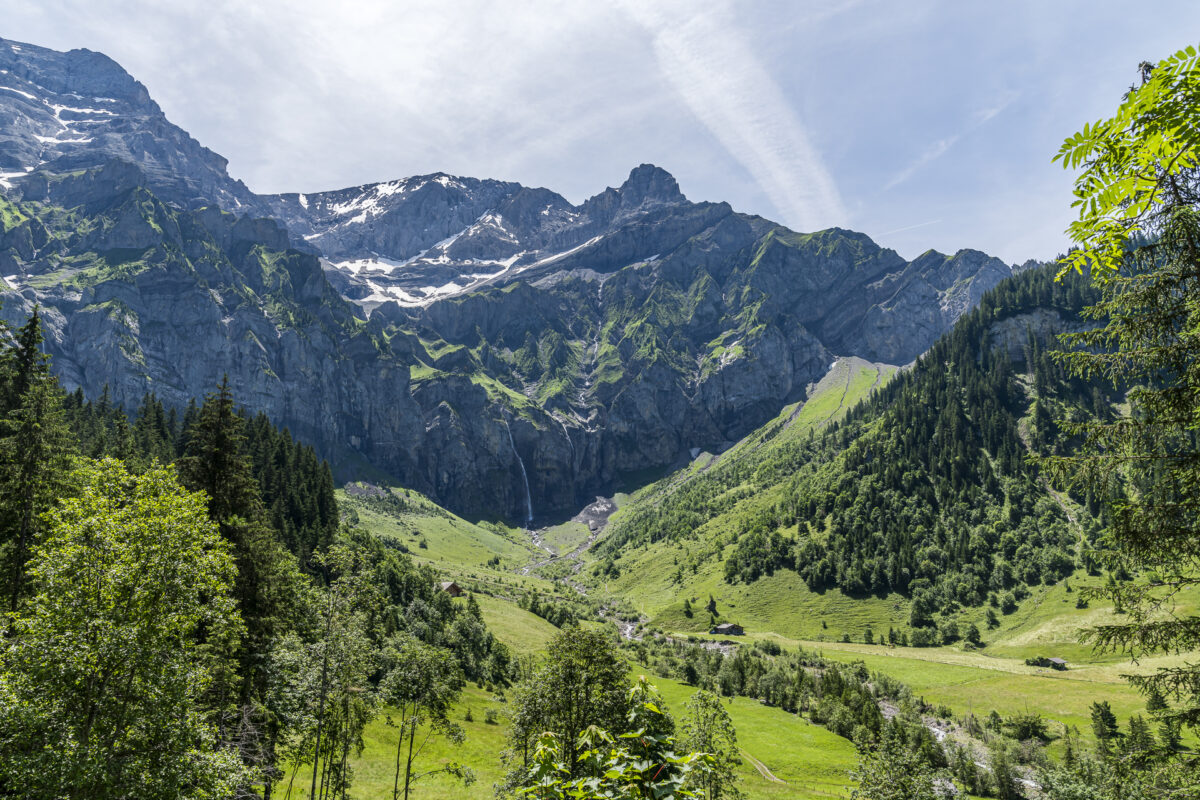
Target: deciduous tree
[{"x": 102, "y": 676}]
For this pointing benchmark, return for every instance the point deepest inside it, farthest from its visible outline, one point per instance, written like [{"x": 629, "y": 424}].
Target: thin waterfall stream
[{"x": 524, "y": 475}]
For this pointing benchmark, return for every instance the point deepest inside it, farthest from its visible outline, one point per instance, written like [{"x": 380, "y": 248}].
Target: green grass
[
  {"x": 448, "y": 539},
  {"x": 814, "y": 762},
  {"x": 566, "y": 537},
  {"x": 657, "y": 578},
  {"x": 373, "y": 769},
  {"x": 781, "y": 603},
  {"x": 459, "y": 550},
  {"x": 979, "y": 683},
  {"x": 522, "y": 631},
  {"x": 10, "y": 215}
]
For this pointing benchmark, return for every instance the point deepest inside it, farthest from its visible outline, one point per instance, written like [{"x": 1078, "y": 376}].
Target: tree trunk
[
  {"x": 312, "y": 793},
  {"x": 412, "y": 734}
]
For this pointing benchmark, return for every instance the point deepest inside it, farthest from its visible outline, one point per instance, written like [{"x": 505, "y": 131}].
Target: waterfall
[
  {"x": 567, "y": 434},
  {"x": 524, "y": 475}
]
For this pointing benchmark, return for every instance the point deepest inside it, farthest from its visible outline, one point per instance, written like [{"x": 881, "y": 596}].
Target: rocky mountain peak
[
  {"x": 63, "y": 112},
  {"x": 81, "y": 72},
  {"x": 522, "y": 343},
  {"x": 648, "y": 182}
]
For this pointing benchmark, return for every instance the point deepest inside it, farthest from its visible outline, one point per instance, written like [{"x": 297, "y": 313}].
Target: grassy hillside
[
  {"x": 656, "y": 579},
  {"x": 933, "y": 456},
  {"x": 907, "y": 502},
  {"x": 432, "y": 534}
]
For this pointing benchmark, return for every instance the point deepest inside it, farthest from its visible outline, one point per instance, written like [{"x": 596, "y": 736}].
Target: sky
[{"x": 923, "y": 123}]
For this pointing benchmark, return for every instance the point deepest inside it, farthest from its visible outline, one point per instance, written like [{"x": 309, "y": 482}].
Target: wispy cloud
[
  {"x": 912, "y": 227},
  {"x": 939, "y": 148},
  {"x": 718, "y": 75},
  {"x": 1004, "y": 101},
  {"x": 932, "y": 153}
]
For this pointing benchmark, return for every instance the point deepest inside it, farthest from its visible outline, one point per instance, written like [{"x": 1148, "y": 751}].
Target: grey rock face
[
  {"x": 70, "y": 111},
  {"x": 412, "y": 326},
  {"x": 1043, "y": 324}
]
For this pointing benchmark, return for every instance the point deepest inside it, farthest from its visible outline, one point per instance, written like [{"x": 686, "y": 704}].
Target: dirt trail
[{"x": 761, "y": 767}]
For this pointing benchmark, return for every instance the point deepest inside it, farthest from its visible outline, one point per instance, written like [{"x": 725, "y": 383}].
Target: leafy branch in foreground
[
  {"x": 1138, "y": 166},
  {"x": 1140, "y": 176}
]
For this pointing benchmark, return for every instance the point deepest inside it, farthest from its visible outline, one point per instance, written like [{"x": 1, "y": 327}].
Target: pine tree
[
  {"x": 268, "y": 586},
  {"x": 35, "y": 449},
  {"x": 1104, "y": 724},
  {"x": 216, "y": 460}
]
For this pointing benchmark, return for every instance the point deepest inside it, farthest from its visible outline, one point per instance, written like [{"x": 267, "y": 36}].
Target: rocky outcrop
[{"x": 1014, "y": 334}]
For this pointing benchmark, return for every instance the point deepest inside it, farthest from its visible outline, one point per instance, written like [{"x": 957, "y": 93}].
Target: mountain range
[{"x": 492, "y": 345}]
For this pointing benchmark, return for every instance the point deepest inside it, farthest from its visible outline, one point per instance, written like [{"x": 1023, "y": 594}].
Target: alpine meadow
[{"x": 454, "y": 487}]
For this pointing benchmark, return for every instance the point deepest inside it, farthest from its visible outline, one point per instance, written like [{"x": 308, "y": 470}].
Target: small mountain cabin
[
  {"x": 728, "y": 629},
  {"x": 453, "y": 589},
  {"x": 1052, "y": 663}
]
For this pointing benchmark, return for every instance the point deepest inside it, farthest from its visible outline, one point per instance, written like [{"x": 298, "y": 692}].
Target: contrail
[
  {"x": 718, "y": 75},
  {"x": 911, "y": 227}
]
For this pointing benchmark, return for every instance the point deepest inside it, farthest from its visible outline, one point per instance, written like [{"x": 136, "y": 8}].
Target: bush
[{"x": 924, "y": 637}]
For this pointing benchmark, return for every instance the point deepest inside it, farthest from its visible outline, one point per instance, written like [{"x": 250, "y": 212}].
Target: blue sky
[{"x": 920, "y": 122}]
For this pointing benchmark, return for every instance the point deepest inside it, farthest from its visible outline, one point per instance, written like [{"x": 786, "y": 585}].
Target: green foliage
[
  {"x": 1084, "y": 777},
  {"x": 926, "y": 489},
  {"x": 1139, "y": 177},
  {"x": 922, "y": 490},
  {"x": 845, "y": 698},
  {"x": 558, "y": 613},
  {"x": 891, "y": 771},
  {"x": 328, "y": 683},
  {"x": 35, "y": 450},
  {"x": 707, "y": 728},
  {"x": 1137, "y": 166},
  {"x": 127, "y": 645},
  {"x": 295, "y": 486},
  {"x": 580, "y": 683},
  {"x": 639, "y": 763},
  {"x": 106, "y": 664},
  {"x": 1104, "y": 722},
  {"x": 421, "y": 684}
]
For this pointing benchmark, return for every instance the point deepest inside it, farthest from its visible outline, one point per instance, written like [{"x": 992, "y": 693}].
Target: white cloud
[
  {"x": 1002, "y": 102},
  {"x": 705, "y": 58}
]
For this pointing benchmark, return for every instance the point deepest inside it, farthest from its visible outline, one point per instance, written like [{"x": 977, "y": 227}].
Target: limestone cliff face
[{"x": 443, "y": 331}]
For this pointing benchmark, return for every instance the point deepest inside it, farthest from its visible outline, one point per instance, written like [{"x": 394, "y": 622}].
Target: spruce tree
[
  {"x": 268, "y": 584},
  {"x": 35, "y": 450}
]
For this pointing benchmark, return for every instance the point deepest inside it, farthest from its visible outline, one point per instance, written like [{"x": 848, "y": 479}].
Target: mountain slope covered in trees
[{"x": 925, "y": 490}]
